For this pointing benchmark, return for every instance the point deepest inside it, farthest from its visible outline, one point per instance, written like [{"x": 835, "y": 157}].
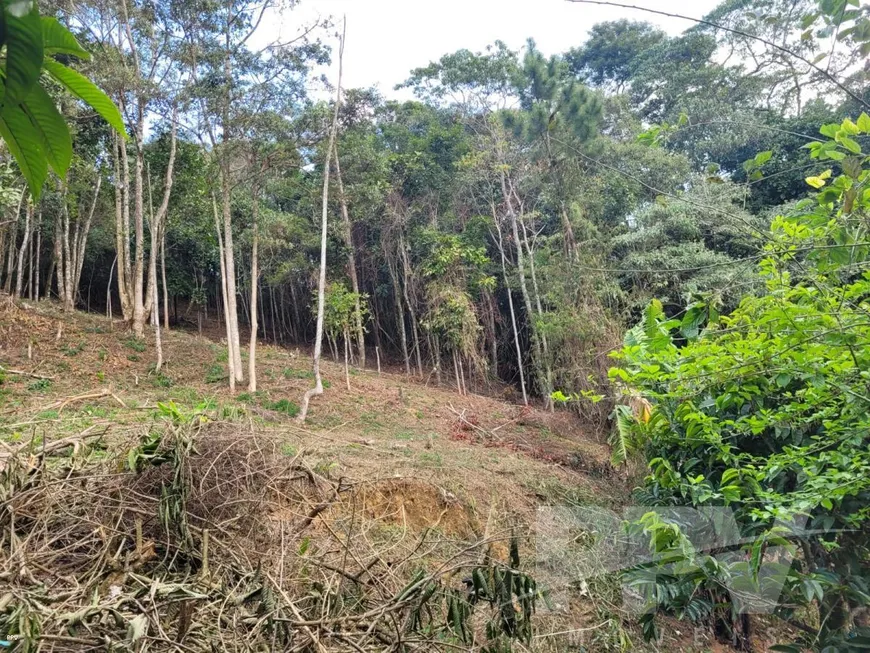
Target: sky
[{"x": 387, "y": 38}]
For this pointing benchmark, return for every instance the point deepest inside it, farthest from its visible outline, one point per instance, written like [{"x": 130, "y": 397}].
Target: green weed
[
  {"x": 289, "y": 450},
  {"x": 291, "y": 373},
  {"x": 69, "y": 350},
  {"x": 134, "y": 343},
  {"x": 431, "y": 459},
  {"x": 284, "y": 406},
  {"x": 39, "y": 385},
  {"x": 216, "y": 374},
  {"x": 160, "y": 380}
]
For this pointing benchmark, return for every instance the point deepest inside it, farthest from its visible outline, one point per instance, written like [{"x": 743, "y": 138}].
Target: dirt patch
[{"x": 414, "y": 505}]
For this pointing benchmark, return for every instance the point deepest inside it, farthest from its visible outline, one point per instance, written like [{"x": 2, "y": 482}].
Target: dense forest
[{"x": 663, "y": 235}]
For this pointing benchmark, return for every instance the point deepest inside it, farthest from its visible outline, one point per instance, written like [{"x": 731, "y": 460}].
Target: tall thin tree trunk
[
  {"x": 68, "y": 291},
  {"x": 158, "y": 220},
  {"x": 400, "y": 317},
  {"x": 456, "y": 372},
  {"x": 139, "y": 290},
  {"x": 548, "y": 368},
  {"x": 38, "y": 255},
  {"x": 321, "y": 284},
  {"x": 346, "y": 353},
  {"x": 273, "y": 315},
  {"x": 163, "y": 277},
  {"x": 155, "y": 318},
  {"x": 513, "y": 314},
  {"x": 231, "y": 359},
  {"x": 351, "y": 264},
  {"x": 109, "y": 290},
  {"x": 406, "y": 266},
  {"x": 255, "y": 273},
  {"x": 11, "y": 250},
  {"x": 230, "y": 266},
  {"x": 437, "y": 360},
  {"x": 122, "y": 227},
  {"x": 58, "y": 257},
  {"x": 530, "y": 311},
  {"x": 25, "y": 244},
  {"x": 80, "y": 241},
  {"x": 30, "y": 266}
]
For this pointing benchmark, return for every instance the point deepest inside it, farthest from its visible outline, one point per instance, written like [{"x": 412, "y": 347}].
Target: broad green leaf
[
  {"x": 849, "y": 144},
  {"x": 783, "y": 379},
  {"x": 52, "y": 128},
  {"x": 864, "y": 123},
  {"x": 815, "y": 182},
  {"x": 87, "y": 91},
  {"x": 57, "y": 39},
  {"x": 830, "y": 130},
  {"x": 849, "y": 127},
  {"x": 23, "y": 141},
  {"x": 24, "y": 51}
]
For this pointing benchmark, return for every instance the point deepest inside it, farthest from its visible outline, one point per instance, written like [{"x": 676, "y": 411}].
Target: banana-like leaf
[
  {"x": 620, "y": 441},
  {"x": 52, "y": 128},
  {"x": 57, "y": 39},
  {"x": 24, "y": 50},
  {"x": 87, "y": 91},
  {"x": 23, "y": 141}
]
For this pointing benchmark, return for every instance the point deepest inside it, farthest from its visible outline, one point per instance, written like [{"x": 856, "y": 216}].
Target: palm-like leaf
[{"x": 621, "y": 441}]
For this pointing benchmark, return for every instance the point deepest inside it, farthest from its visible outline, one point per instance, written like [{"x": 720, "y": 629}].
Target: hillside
[
  {"x": 418, "y": 471},
  {"x": 411, "y": 476}
]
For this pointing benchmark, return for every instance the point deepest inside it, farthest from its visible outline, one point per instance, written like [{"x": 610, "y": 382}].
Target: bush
[{"x": 764, "y": 413}]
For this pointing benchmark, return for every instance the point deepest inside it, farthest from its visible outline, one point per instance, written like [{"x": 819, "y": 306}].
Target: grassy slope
[{"x": 427, "y": 468}]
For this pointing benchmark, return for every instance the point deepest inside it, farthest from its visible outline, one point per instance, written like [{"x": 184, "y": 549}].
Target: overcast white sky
[{"x": 387, "y": 38}]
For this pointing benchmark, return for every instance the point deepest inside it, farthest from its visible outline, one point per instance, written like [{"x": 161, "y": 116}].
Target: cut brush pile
[{"x": 200, "y": 536}]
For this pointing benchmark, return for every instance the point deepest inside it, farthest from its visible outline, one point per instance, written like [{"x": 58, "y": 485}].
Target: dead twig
[{"x": 7, "y": 370}]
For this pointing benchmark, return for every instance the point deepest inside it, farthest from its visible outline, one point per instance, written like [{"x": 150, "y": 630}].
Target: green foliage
[
  {"x": 39, "y": 385},
  {"x": 511, "y": 595},
  {"x": 284, "y": 406},
  {"x": 765, "y": 411},
  {"x": 216, "y": 373},
  {"x": 161, "y": 380},
  {"x": 612, "y": 53},
  {"x": 698, "y": 242},
  {"x": 451, "y": 316},
  {"x": 31, "y": 125},
  {"x": 74, "y": 350},
  {"x": 340, "y": 307},
  {"x": 134, "y": 343}
]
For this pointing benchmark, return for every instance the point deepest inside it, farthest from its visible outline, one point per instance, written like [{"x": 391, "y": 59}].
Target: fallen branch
[
  {"x": 7, "y": 370},
  {"x": 489, "y": 434},
  {"x": 105, "y": 392}
]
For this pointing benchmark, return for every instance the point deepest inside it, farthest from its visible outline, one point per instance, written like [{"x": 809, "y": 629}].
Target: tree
[
  {"x": 610, "y": 56},
  {"x": 768, "y": 408},
  {"x": 321, "y": 281},
  {"x": 232, "y": 86}
]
